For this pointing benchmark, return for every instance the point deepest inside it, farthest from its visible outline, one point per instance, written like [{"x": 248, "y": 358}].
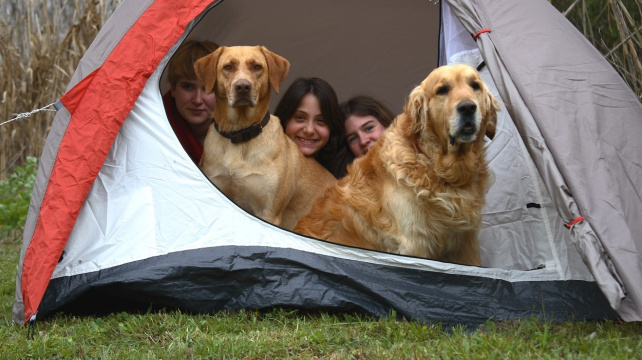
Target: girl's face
[
  {"x": 307, "y": 127},
  {"x": 194, "y": 105},
  {"x": 362, "y": 132}
]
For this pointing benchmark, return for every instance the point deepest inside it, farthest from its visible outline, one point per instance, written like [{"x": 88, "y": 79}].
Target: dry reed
[
  {"x": 614, "y": 27},
  {"x": 42, "y": 44}
]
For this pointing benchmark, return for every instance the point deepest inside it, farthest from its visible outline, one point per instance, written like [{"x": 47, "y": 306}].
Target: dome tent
[{"x": 120, "y": 217}]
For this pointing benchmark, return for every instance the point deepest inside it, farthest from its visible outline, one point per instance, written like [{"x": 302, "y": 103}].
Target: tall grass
[
  {"x": 42, "y": 44},
  {"x": 615, "y": 29}
]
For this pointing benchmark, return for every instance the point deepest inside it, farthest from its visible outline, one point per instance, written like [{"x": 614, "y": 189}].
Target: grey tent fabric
[
  {"x": 566, "y": 146},
  {"x": 577, "y": 115}
]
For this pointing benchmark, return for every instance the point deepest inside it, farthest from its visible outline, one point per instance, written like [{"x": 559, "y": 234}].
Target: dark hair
[
  {"x": 181, "y": 65},
  {"x": 363, "y": 105},
  {"x": 320, "y": 88},
  {"x": 332, "y": 155}
]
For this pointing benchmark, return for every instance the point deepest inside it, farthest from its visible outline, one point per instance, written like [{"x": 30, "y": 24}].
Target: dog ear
[
  {"x": 205, "y": 69},
  {"x": 416, "y": 108},
  {"x": 278, "y": 68},
  {"x": 492, "y": 106}
]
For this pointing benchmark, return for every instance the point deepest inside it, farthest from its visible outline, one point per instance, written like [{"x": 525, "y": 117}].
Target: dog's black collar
[{"x": 246, "y": 134}]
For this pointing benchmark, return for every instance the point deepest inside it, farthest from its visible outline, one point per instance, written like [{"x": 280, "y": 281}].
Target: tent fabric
[
  {"x": 356, "y": 38},
  {"x": 153, "y": 230},
  {"x": 583, "y": 120},
  {"x": 95, "y": 122},
  {"x": 227, "y": 278}
]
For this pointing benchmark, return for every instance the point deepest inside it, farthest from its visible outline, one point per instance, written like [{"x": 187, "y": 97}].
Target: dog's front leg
[
  {"x": 468, "y": 252},
  {"x": 269, "y": 203},
  {"x": 270, "y": 216},
  {"x": 273, "y": 213}
]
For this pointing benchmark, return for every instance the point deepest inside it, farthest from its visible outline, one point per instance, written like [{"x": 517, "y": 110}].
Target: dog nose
[
  {"x": 243, "y": 87},
  {"x": 467, "y": 107}
]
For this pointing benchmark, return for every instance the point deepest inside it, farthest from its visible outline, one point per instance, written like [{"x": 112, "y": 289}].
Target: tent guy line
[{"x": 28, "y": 114}]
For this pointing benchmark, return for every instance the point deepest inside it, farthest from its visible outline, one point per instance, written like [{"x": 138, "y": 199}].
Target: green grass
[
  {"x": 15, "y": 193},
  {"x": 291, "y": 334}
]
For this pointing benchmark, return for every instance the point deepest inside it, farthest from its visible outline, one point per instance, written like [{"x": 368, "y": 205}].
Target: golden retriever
[
  {"x": 246, "y": 153},
  {"x": 420, "y": 189}
]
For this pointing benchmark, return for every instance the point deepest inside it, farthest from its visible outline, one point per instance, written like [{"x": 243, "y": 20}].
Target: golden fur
[
  {"x": 420, "y": 189},
  {"x": 268, "y": 175}
]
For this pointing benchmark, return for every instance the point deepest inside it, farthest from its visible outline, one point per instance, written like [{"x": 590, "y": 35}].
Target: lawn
[
  {"x": 277, "y": 333},
  {"x": 246, "y": 334},
  {"x": 291, "y": 334}
]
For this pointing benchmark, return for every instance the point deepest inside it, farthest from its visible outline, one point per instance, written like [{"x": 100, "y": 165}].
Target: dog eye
[
  {"x": 442, "y": 90},
  {"x": 257, "y": 67},
  {"x": 475, "y": 85},
  {"x": 228, "y": 67}
]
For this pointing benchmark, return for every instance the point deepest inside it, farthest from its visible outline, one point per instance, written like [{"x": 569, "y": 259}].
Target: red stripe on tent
[
  {"x": 99, "y": 105},
  {"x": 74, "y": 96}
]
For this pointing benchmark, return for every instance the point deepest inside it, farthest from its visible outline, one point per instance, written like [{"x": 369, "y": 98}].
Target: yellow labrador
[
  {"x": 420, "y": 189},
  {"x": 246, "y": 153}
]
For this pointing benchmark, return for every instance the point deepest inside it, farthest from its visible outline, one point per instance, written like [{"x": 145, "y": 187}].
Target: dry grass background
[{"x": 42, "y": 44}]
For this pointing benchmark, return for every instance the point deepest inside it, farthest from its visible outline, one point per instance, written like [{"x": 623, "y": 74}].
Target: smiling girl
[
  {"x": 309, "y": 114},
  {"x": 365, "y": 119}
]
